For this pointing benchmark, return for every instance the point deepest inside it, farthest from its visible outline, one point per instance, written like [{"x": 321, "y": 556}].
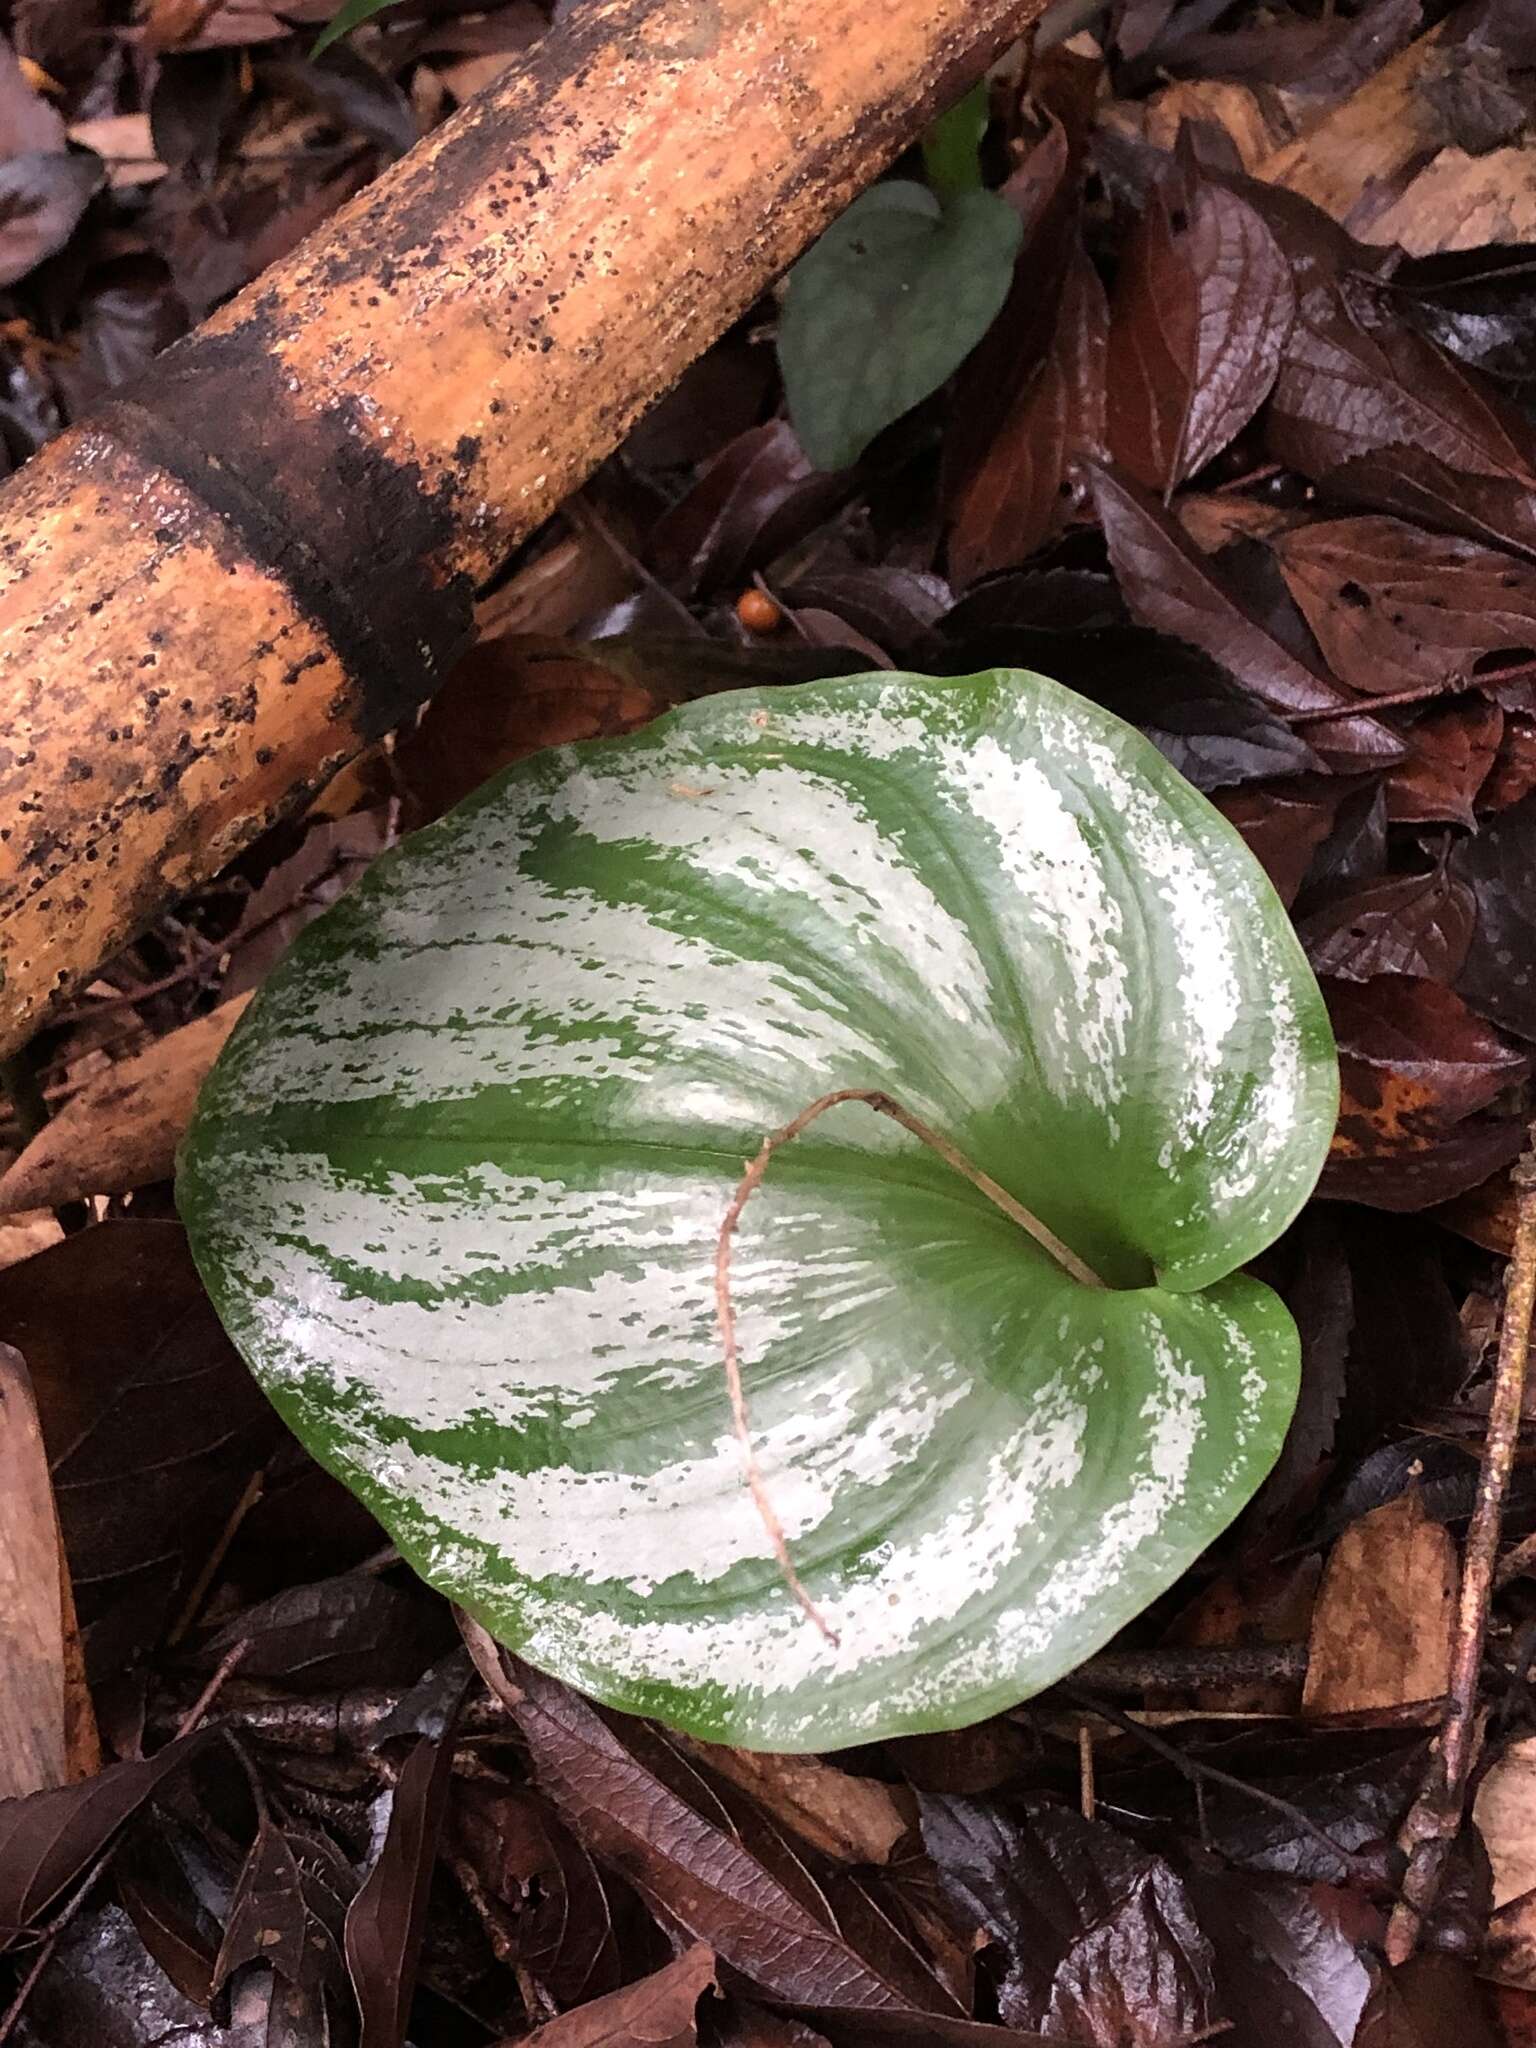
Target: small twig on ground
[
  {"x": 1087, "y": 1795},
  {"x": 1197, "y": 1770},
  {"x": 1515, "y": 1562},
  {"x": 191, "y": 1607},
  {"x": 485, "y": 1654},
  {"x": 1436, "y": 1815},
  {"x": 195, "y": 1714},
  {"x": 883, "y": 1105}
]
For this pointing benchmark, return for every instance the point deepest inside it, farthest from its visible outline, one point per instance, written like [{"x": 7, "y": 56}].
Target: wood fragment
[
  {"x": 32, "y": 1731},
  {"x": 122, "y": 1129}
]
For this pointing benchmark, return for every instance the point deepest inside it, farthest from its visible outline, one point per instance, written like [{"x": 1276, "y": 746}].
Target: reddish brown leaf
[
  {"x": 1029, "y": 480},
  {"x": 1203, "y": 303},
  {"x": 1403, "y": 924},
  {"x": 41, "y": 199},
  {"x": 1357, "y": 380},
  {"x": 1045, "y": 191},
  {"x": 386, "y": 1921},
  {"x": 689, "y": 1864},
  {"x": 49, "y": 1839},
  {"x": 1431, "y": 2002},
  {"x": 27, "y": 122},
  {"x": 758, "y": 496},
  {"x": 1100, "y": 1942},
  {"x": 1284, "y": 824},
  {"x": 1450, "y": 755},
  {"x": 1498, "y": 977},
  {"x": 1414, "y": 1066},
  {"x": 658, "y": 2012},
  {"x": 1392, "y": 605},
  {"x": 1168, "y": 584},
  {"x": 1513, "y": 774},
  {"x": 541, "y": 1894}
]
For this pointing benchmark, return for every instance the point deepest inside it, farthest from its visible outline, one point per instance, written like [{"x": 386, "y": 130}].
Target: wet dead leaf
[
  {"x": 1203, "y": 304},
  {"x": 1416, "y": 1070}
]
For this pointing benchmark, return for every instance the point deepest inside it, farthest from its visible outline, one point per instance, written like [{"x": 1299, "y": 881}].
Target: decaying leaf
[
  {"x": 152, "y": 1425},
  {"x": 1381, "y": 1629},
  {"x": 1392, "y": 604},
  {"x": 849, "y": 1818},
  {"x": 1416, "y": 1069},
  {"x": 658, "y": 2012}
]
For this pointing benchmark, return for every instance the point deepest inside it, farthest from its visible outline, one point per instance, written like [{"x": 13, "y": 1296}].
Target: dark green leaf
[{"x": 886, "y": 305}]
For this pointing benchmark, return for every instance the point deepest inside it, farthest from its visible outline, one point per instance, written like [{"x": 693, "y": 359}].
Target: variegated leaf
[{"x": 457, "y": 1182}]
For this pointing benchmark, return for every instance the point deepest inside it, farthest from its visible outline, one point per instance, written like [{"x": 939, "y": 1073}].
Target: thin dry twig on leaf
[
  {"x": 485, "y": 1654},
  {"x": 1436, "y": 1815},
  {"x": 227, "y": 1665},
  {"x": 883, "y": 1105}
]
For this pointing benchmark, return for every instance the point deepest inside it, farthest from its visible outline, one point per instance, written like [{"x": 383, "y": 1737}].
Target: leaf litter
[{"x": 1248, "y": 453}]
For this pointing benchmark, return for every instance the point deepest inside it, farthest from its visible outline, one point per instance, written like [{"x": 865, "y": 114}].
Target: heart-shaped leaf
[
  {"x": 458, "y": 1182},
  {"x": 885, "y": 306}
]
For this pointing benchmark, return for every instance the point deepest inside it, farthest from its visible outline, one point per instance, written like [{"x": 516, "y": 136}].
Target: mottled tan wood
[
  {"x": 1373, "y": 137},
  {"x": 122, "y": 1130},
  {"x": 212, "y": 596}
]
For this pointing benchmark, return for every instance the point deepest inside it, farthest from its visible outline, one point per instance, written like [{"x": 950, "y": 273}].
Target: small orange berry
[{"x": 758, "y": 612}]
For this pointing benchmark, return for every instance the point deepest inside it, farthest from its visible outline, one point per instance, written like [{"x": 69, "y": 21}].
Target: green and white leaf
[
  {"x": 456, "y": 1185},
  {"x": 887, "y": 304}
]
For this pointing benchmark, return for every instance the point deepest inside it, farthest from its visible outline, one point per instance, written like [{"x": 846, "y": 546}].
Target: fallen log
[{"x": 221, "y": 587}]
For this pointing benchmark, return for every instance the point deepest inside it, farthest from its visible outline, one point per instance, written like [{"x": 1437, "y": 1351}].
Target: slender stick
[
  {"x": 1436, "y": 1815},
  {"x": 883, "y": 1105}
]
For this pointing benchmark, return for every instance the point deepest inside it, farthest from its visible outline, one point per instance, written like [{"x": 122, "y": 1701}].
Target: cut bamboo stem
[{"x": 221, "y": 588}]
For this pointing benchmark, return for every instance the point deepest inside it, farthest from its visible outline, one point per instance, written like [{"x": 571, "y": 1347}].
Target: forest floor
[{"x": 1253, "y": 439}]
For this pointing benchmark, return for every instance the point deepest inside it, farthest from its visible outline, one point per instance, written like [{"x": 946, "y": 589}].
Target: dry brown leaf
[
  {"x": 32, "y": 1745},
  {"x": 121, "y": 1131},
  {"x": 1256, "y": 121},
  {"x": 32, "y": 1231},
  {"x": 1461, "y": 202},
  {"x": 1381, "y": 1629},
  {"x": 1505, "y": 1812},
  {"x": 1369, "y": 139},
  {"x": 125, "y": 145},
  {"x": 1214, "y": 519},
  {"x": 851, "y": 1819}
]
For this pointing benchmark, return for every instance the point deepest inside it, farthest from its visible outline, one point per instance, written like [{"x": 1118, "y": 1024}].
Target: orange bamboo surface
[{"x": 217, "y": 590}]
